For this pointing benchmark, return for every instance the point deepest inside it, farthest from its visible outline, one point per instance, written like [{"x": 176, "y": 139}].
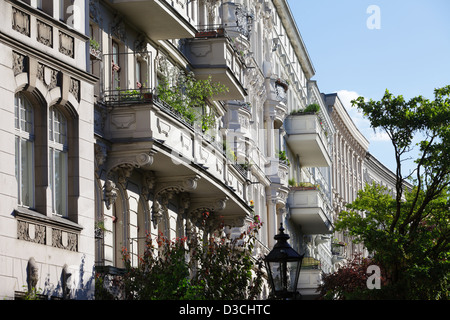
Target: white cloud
[
  {"x": 346, "y": 97},
  {"x": 362, "y": 123},
  {"x": 379, "y": 136}
]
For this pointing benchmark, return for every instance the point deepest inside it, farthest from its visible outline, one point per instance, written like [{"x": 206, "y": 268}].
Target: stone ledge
[{"x": 54, "y": 221}]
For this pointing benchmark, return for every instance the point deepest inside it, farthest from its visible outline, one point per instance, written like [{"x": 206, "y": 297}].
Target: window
[
  {"x": 115, "y": 66},
  {"x": 46, "y": 6},
  {"x": 99, "y": 225},
  {"x": 24, "y": 125},
  {"x": 138, "y": 74},
  {"x": 65, "y": 10},
  {"x": 58, "y": 161}
]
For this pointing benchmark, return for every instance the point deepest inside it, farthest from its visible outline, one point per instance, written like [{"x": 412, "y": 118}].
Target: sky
[{"x": 361, "y": 48}]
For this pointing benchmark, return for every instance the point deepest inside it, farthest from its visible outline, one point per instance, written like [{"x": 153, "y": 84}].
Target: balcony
[
  {"x": 278, "y": 172},
  {"x": 308, "y": 283},
  {"x": 309, "y": 209},
  {"x": 159, "y": 19},
  {"x": 212, "y": 53},
  {"x": 308, "y": 139},
  {"x": 310, "y": 278},
  {"x": 139, "y": 123}
]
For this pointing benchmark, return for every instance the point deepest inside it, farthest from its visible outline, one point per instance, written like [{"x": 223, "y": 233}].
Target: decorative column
[{"x": 272, "y": 221}]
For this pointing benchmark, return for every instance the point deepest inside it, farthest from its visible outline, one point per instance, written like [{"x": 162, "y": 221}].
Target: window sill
[{"x": 32, "y": 216}]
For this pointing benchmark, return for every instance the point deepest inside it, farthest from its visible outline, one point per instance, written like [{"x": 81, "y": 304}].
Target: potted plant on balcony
[
  {"x": 190, "y": 98},
  {"x": 210, "y": 33},
  {"x": 100, "y": 229},
  {"x": 94, "y": 50},
  {"x": 283, "y": 158},
  {"x": 292, "y": 182},
  {"x": 301, "y": 186},
  {"x": 313, "y": 108}
]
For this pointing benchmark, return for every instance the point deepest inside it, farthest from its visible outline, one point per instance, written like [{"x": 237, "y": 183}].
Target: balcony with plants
[
  {"x": 310, "y": 277},
  {"x": 95, "y": 51},
  {"x": 307, "y": 136},
  {"x": 213, "y": 53},
  {"x": 179, "y": 124},
  {"x": 277, "y": 169},
  {"x": 309, "y": 208}
]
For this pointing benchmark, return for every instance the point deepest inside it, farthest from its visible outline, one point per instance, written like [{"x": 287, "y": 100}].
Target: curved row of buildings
[{"x": 94, "y": 156}]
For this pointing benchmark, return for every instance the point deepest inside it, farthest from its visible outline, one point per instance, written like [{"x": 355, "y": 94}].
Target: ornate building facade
[
  {"x": 47, "y": 155},
  {"x": 103, "y": 158},
  {"x": 349, "y": 163}
]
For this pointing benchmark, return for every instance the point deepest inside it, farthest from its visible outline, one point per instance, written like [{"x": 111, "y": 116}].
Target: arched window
[
  {"x": 58, "y": 149},
  {"x": 24, "y": 132}
]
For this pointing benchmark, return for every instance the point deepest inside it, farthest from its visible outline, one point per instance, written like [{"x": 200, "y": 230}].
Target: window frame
[
  {"x": 24, "y": 136},
  {"x": 58, "y": 170},
  {"x": 115, "y": 59}
]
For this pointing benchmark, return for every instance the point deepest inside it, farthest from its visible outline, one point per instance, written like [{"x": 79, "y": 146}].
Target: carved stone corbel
[
  {"x": 118, "y": 27},
  {"x": 109, "y": 193},
  {"x": 19, "y": 63},
  {"x": 184, "y": 204},
  {"x": 132, "y": 160},
  {"x": 157, "y": 214},
  {"x": 190, "y": 230},
  {"x": 148, "y": 183},
  {"x": 123, "y": 165},
  {"x": 165, "y": 189},
  {"x": 123, "y": 172},
  {"x": 141, "y": 47},
  {"x": 32, "y": 274},
  {"x": 206, "y": 213}
]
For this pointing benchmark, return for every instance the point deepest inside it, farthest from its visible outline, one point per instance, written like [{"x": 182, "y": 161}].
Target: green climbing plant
[{"x": 190, "y": 96}]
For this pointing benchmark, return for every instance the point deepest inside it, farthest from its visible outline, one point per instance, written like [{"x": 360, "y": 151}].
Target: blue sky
[{"x": 409, "y": 54}]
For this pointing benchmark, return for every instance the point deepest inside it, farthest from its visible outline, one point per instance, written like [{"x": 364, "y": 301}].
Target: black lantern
[{"x": 283, "y": 265}]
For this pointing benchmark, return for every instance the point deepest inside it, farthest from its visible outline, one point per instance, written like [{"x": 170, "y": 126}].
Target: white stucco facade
[{"x": 92, "y": 159}]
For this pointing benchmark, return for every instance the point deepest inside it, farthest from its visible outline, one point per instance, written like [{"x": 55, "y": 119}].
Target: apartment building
[
  {"x": 350, "y": 148},
  {"x": 103, "y": 156},
  {"x": 47, "y": 155}
]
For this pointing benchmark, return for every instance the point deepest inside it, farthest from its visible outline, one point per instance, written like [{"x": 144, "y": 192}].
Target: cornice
[
  {"x": 295, "y": 37},
  {"x": 337, "y": 106},
  {"x": 53, "y": 62}
]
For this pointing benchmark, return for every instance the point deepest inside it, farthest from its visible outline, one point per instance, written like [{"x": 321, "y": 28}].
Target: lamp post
[{"x": 283, "y": 265}]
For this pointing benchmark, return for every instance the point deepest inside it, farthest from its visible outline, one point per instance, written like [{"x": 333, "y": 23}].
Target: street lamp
[{"x": 283, "y": 265}]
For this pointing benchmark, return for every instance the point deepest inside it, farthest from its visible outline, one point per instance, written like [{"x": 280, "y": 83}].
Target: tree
[{"x": 409, "y": 233}]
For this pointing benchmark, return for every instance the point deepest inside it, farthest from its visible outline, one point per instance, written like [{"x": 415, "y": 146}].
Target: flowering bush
[
  {"x": 349, "y": 282},
  {"x": 211, "y": 268}
]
